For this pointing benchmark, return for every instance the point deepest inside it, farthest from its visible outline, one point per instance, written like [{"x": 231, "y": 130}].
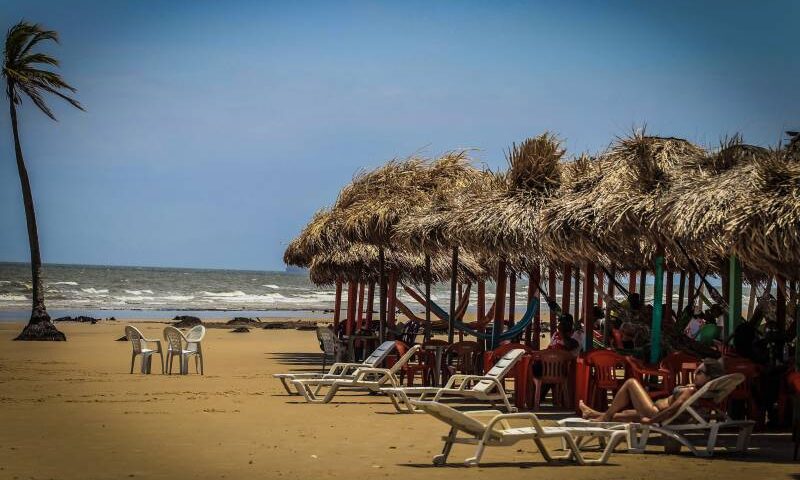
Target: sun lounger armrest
[
  {"x": 468, "y": 379},
  {"x": 340, "y": 368},
  {"x": 515, "y": 416}
]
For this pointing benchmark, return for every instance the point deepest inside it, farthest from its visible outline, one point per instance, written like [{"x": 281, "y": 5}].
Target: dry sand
[{"x": 72, "y": 410}]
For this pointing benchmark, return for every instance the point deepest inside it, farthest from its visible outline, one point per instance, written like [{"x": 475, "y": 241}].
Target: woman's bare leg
[
  {"x": 631, "y": 394},
  {"x": 627, "y": 416}
]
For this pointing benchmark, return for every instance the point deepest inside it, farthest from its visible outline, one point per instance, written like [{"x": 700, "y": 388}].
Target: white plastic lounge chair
[
  {"x": 688, "y": 420},
  {"x": 141, "y": 347},
  {"x": 486, "y": 388},
  {"x": 364, "y": 378},
  {"x": 339, "y": 369},
  {"x": 498, "y": 432},
  {"x": 179, "y": 346}
]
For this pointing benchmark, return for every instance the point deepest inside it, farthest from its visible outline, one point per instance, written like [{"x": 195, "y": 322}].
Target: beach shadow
[
  {"x": 454, "y": 464},
  {"x": 300, "y": 359}
]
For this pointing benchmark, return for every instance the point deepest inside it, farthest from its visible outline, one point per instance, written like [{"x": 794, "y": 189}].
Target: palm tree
[{"x": 23, "y": 76}]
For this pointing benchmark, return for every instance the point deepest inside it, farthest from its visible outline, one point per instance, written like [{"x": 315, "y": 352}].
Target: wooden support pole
[
  {"x": 658, "y": 300},
  {"x": 382, "y": 294},
  {"x": 360, "y": 315},
  {"x": 780, "y": 305},
  {"x": 681, "y": 288},
  {"x": 669, "y": 284},
  {"x": 391, "y": 314},
  {"x": 453, "y": 282},
  {"x": 632, "y": 281},
  {"x": 481, "y": 300},
  {"x": 643, "y": 286},
  {"x": 566, "y": 289},
  {"x": 607, "y": 322},
  {"x": 499, "y": 302},
  {"x": 352, "y": 302},
  {"x": 734, "y": 296},
  {"x": 551, "y": 291},
  {"x": 690, "y": 295},
  {"x": 751, "y": 300},
  {"x": 588, "y": 305},
  {"x": 533, "y": 333},
  {"x": 370, "y": 303},
  {"x": 601, "y": 277},
  {"x": 512, "y": 298},
  {"x": 428, "y": 332},
  {"x": 337, "y": 306},
  {"x": 576, "y": 300}
]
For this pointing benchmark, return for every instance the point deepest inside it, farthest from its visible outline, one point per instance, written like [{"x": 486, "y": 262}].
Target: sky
[{"x": 214, "y": 130}]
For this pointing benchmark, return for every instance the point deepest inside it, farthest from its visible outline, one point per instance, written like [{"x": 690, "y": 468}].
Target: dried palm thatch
[
  {"x": 317, "y": 236},
  {"x": 765, "y": 223},
  {"x": 359, "y": 262},
  {"x": 567, "y": 222},
  {"x": 367, "y": 209},
  {"x": 698, "y": 211},
  {"x": 424, "y": 228},
  {"x": 502, "y": 220},
  {"x": 629, "y": 208}
]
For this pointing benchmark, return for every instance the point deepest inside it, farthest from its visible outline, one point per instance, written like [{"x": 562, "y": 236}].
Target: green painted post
[
  {"x": 658, "y": 311},
  {"x": 734, "y": 295}
]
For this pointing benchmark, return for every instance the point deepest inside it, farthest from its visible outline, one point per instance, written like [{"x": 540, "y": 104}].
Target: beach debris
[
  {"x": 244, "y": 321},
  {"x": 240, "y": 330},
  {"x": 186, "y": 321},
  {"x": 275, "y": 326},
  {"x": 79, "y": 319}
]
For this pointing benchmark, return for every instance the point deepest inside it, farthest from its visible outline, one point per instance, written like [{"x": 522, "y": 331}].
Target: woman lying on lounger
[{"x": 633, "y": 404}]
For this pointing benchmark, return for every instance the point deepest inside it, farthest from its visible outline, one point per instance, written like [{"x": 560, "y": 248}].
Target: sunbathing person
[{"x": 633, "y": 404}]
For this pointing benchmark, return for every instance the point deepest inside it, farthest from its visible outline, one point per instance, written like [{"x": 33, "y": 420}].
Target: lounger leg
[
  {"x": 285, "y": 383},
  {"x": 441, "y": 459},
  {"x": 305, "y": 391},
  {"x": 712, "y": 440},
  {"x": 331, "y": 393},
  {"x": 743, "y": 442},
  {"x": 476, "y": 460}
]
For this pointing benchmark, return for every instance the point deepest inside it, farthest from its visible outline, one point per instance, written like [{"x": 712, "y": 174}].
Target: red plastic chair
[
  {"x": 681, "y": 366},
  {"x": 423, "y": 364},
  {"x": 607, "y": 374},
  {"x": 655, "y": 380},
  {"x": 556, "y": 368},
  {"x": 461, "y": 357},
  {"x": 616, "y": 335},
  {"x": 744, "y": 391},
  {"x": 790, "y": 387}
]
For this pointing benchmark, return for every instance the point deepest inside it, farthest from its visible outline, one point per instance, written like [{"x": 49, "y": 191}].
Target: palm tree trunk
[{"x": 39, "y": 326}]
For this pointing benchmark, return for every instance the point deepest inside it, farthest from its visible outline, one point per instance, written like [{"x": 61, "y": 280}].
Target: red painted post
[
  {"x": 351, "y": 307},
  {"x": 499, "y": 301},
  {"x": 632, "y": 281},
  {"x": 588, "y": 305},
  {"x": 551, "y": 290},
  {"x": 512, "y": 297},
  {"x": 370, "y": 302},
  {"x": 481, "y": 300},
  {"x": 360, "y": 315}
]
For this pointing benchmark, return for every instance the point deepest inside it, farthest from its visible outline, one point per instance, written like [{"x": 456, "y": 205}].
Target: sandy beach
[{"x": 72, "y": 410}]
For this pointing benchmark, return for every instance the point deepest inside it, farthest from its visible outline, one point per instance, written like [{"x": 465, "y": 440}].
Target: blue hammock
[{"x": 512, "y": 332}]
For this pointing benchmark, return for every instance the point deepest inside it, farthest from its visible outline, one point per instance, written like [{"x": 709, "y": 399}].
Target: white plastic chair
[
  {"x": 180, "y": 346},
  {"x": 141, "y": 347},
  {"x": 194, "y": 339}
]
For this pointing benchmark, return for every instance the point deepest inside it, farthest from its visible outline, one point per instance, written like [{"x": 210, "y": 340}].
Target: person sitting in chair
[{"x": 633, "y": 404}]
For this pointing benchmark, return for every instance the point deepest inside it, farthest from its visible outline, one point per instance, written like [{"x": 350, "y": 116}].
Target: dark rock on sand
[
  {"x": 274, "y": 326},
  {"x": 240, "y": 330},
  {"x": 122, "y": 339},
  {"x": 244, "y": 321},
  {"x": 186, "y": 321},
  {"x": 79, "y": 319}
]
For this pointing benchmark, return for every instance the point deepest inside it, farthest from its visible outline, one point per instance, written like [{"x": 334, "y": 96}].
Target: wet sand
[{"x": 72, "y": 410}]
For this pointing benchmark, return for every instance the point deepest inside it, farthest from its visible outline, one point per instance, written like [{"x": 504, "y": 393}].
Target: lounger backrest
[
  {"x": 715, "y": 390},
  {"x": 453, "y": 417},
  {"x": 404, "y": 359},
  {"x": 500, "y": 369},
  {"x": 377, "y": 357},
  {"x": 136, "y": 338},
  {"x": 174, "y": 338}
]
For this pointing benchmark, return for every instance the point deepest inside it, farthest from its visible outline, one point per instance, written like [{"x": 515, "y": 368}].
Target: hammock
[{"x": 512, "y": 332}]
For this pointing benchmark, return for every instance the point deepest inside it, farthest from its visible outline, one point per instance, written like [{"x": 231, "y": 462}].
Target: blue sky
[{"x": 215, "y": 129}]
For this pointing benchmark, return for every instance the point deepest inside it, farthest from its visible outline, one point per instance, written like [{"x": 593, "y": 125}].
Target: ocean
[{"x": 158, "y": 293}]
